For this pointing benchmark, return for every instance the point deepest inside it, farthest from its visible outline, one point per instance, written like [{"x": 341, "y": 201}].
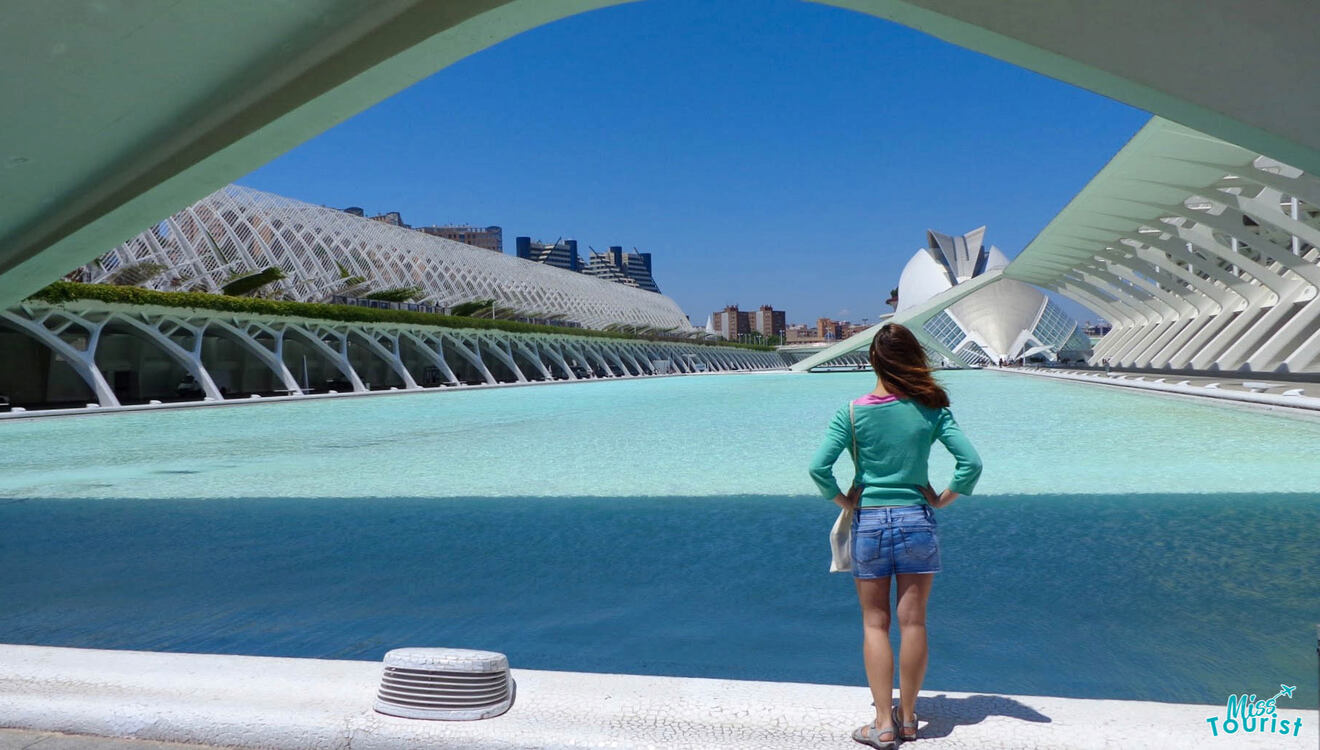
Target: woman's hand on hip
[
  {"x": 843, "y": 501},
  {"x": 944, "y": 500}
]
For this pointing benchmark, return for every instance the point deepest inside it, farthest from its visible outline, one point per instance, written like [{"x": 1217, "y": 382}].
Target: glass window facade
[
  {"x": 945, "y": 330},
  {"x": 973, "y": 354},
  {"x": 1054, "y": 326}
]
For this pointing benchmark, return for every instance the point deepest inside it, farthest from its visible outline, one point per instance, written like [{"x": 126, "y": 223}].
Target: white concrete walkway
[
  {"x": 1262, "y": 392},
  {"x": 255, "y": 702},
  {"x": 24, "y": 739}
]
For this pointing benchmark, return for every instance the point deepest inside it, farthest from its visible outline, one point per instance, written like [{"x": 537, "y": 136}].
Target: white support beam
[
  {"x": 83, "y": 362},
  {"x": 914, "y": 318}
]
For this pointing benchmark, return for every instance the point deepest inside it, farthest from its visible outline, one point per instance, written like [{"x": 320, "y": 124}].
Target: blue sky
[{"x": 766, "y": 151}]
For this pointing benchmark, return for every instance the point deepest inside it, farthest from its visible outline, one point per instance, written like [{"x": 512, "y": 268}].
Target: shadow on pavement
[{"x": 941, "y": 713}]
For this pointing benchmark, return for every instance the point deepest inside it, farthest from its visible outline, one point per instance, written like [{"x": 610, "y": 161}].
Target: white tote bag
[{"x": 841, "y": 534}]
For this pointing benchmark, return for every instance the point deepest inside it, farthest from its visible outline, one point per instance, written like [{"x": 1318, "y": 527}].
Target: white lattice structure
[
  {"x": 112, "y": 354},
  {"x": 237, "y": 230},
  {"x": 1202, "y": 254}
]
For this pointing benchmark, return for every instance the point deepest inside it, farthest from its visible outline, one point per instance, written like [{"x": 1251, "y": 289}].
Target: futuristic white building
[
  {"x": 1202, "y": 254},
  {"x": 86, "y": 352},
  {"x": 325, "y": 252},
  {"x": 1007, "y": 320}
]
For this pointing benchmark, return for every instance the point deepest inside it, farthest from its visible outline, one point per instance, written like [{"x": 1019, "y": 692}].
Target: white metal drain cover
[{"x": 445, "y": 683}]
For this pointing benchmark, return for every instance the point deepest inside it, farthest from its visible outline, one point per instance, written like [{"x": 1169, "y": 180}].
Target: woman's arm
[
  {"x": 968, "y": 463},
  {"x": 937, "y": 499},
  {"x": 944, "y": 499},
  {"x": 838, "y": 436}
]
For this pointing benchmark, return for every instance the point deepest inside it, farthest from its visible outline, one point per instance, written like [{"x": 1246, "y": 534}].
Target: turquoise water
[{"x": 1120, "y": 544}]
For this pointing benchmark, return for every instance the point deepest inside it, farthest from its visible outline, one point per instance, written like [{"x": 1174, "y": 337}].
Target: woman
[{"x": 894, "y": 534}]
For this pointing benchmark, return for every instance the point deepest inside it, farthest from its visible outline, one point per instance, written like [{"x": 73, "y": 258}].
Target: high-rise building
[
  {"x": 486, "y": 238},
  {"x": 633, "y": 269},
  {"x": 768, "y": 321},
  {"x": 629, "y": 269},
  {"x": 609, "y": 266},
  {"x": 393, "y": 218},
  {"x": 830, "y": 330},
  {"x": 562, "y": 254},
  {"x": 638, "y": 268},
  {"x": 731, "y": 322},
  {"x": 800, "y": 333}
]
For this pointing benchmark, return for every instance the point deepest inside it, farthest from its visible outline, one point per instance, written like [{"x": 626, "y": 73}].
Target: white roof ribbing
[
  {"x": 237, "y": 230},
  {"x": 1160, "y": 168}
]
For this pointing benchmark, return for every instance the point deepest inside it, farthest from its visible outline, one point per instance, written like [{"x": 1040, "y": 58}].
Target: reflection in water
[{"x": 716, "y": 435}]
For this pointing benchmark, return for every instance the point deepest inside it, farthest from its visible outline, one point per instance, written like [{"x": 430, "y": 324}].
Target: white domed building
[{"x": 1006, "y": 320}]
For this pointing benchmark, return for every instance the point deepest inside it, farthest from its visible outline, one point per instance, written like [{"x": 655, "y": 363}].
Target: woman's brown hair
[{"x": 900, "y": 363}]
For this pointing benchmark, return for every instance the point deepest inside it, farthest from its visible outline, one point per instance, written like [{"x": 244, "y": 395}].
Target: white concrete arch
[
  {"x": 626, "y": 351},
  {"x": 683, "y": 358},
  {"x": 337, "y": 355},
  {"x": 552, "y": 347},
  {"x": 616, "y": 367},
  {"x": 574, "y": 348},
  {"x": 180, "y": 338},
  {"x": 590, "y": 348},
  {"x": 619, "y": 358},
  {"x": 530, "y": 352},
  {"x": 712, "y": 360},
  {"x": 189, "y": 360},
  {"x": 639, "y": 359},
  {"x": 468, "y": 351},
  {"x": 386, "y": 346},
  {"x": 83, "y": 361},
  {"x": 495, "y": 347},
  {"x": 618, "y": 361},
  {"x": 642, "y": 357},
  {"x": 434, "y": 352},
  {"x": 244, "y": 338},
  {"x": 1204, "y": 294},
  {"x": 651, "y": 352}
]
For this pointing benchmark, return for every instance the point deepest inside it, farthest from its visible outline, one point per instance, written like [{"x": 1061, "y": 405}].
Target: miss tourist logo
[{"x": 1245, "y": 714}]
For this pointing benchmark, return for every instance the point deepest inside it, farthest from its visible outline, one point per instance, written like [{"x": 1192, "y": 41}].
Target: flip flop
[{"x": 870, "y": 735}]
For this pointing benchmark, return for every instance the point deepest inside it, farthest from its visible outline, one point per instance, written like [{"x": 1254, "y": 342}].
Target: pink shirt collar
[{"x": 871, "y": 399}]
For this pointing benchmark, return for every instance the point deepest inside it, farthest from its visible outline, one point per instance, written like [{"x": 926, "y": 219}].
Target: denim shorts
[{"x": 895, "y": 539}]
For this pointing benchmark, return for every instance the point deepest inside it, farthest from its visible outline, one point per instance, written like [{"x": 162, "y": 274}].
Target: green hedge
[{"x": 67, "y": 291}]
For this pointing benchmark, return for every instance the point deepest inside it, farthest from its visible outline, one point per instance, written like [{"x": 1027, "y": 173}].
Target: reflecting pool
[{"x": 1120, "y": 544}]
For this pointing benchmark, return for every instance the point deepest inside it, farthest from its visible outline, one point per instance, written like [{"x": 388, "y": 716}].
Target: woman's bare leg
[
  {"x": 877, "y": 655},
  {"x": 913, "y": 593}
]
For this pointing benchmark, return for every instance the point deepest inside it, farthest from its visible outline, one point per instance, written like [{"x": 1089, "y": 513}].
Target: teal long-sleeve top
[{"x": 893, "y": 449}]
